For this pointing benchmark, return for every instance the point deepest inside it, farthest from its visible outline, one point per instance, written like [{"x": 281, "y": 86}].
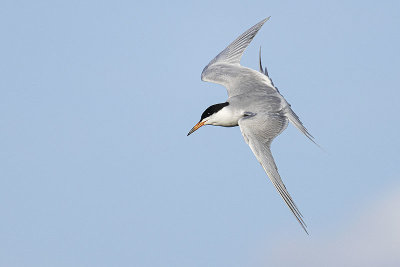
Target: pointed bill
[{"x": 197, "y": 126}]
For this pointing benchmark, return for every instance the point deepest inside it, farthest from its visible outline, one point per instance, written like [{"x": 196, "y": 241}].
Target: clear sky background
[{"x": 96, "y": 99}]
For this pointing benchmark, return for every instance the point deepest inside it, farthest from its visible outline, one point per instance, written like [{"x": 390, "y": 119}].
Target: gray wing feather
[
  {"x": 225, "y": 69},
  {"x": 258, "y": 132},
  {"x": 233, "y": 53}
]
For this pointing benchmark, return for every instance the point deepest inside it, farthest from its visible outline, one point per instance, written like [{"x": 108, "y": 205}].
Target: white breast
[{"x": 227, "y": 116}]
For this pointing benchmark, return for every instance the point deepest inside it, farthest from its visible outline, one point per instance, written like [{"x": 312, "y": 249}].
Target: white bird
[{"x": 255, "y": 105}]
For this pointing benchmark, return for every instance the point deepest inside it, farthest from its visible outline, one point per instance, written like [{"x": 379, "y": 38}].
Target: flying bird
[{"x": 255, "y": 105}]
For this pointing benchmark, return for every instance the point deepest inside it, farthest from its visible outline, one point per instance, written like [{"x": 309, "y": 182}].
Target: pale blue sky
[{"x": 96, "y": 99}]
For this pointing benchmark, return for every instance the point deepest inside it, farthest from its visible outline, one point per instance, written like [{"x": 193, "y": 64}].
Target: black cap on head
[{"x": 213, "y": 109}]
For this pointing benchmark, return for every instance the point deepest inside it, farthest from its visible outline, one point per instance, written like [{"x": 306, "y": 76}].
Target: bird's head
[{"x": 211, "y": 116}]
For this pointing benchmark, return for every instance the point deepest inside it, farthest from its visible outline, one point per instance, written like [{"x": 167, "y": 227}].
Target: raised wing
[
  {"x": 258, "y": 131},
  {"x": 225, "y": 69},
  {"x": 233, "y": 53}
]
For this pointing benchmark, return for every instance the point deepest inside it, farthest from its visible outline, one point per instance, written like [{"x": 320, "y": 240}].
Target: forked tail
[{"x": 289, "y": 112}]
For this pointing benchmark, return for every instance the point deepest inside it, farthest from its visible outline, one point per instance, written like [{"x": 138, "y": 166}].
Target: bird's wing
[
  {"x": 258, "y": 131},
  {"x": 234, "y": 51},
  {"x": 225, "y": 68}
]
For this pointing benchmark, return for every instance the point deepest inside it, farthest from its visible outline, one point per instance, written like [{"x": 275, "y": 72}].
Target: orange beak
[{"x": 197, "y": 126}]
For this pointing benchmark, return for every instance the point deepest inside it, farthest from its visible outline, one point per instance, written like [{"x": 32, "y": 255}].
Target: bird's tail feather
[{"x": 293, "y": 118}]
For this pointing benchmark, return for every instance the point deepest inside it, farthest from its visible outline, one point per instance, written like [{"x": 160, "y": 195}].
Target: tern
[{"x": 255, "y": 105}]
